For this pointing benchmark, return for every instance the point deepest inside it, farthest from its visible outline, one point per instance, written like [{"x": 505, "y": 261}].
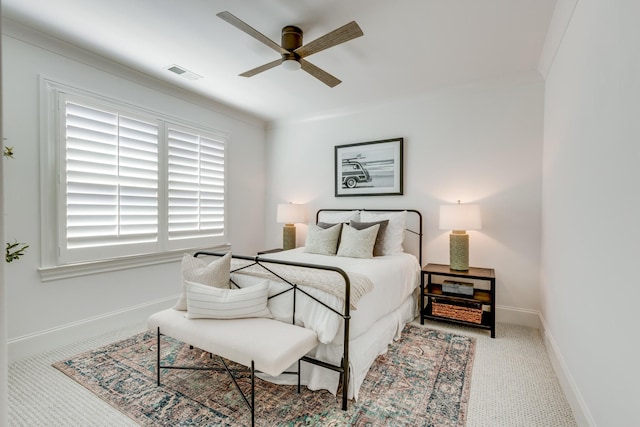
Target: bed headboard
[{"x": 413, "y": 228}]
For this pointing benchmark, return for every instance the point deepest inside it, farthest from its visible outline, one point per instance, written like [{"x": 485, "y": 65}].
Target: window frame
[{"x": 52, "y": 189}]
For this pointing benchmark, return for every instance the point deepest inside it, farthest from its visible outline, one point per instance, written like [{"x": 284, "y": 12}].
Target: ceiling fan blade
[
  {"x": 319, "y": 74},
  {"x": 340, "y": 35},
  {"x": 243, "y": 26},
  {"x": 261, "y": 68}
]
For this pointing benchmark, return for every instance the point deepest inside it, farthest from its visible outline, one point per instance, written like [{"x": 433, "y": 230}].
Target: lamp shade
[
  {"x": 289, "y": 213},
  {"x": 460, "y": 217}
]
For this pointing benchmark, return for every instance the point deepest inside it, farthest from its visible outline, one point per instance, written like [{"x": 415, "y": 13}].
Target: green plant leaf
[{"x": 14, "y": 252}]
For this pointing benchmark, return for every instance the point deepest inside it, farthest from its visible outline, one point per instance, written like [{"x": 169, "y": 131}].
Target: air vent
[{"x": 183, "y": 72}]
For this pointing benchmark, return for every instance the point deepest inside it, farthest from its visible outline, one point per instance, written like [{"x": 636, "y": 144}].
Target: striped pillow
[{"x": 206, "y": 302}]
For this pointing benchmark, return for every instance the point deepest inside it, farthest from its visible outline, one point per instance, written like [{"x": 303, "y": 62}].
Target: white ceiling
[{"x": 409, "y": 46}]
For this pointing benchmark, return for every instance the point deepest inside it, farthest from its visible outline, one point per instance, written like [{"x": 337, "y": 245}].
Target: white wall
[
  {"x": 68, "y": 308},
  {"x": 591, "y": 201},
  {"x": 3, "y": 300},
  {"x": 478, "y": 144}
]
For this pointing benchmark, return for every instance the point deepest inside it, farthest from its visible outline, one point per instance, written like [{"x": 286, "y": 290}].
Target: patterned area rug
[{"x": 423, "y": 380}]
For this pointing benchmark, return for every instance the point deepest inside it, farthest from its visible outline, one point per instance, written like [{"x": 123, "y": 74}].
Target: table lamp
[
  {"x": 459, "y": 218},
  {"x": 288, "y": 214}
]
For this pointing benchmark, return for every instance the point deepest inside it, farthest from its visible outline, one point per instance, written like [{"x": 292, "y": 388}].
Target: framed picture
[{"x": 369, "y": 168}]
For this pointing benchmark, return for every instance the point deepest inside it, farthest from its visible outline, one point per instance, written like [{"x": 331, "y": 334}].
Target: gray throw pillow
[
  {"x": 322, "y": 241},
  {"x": 326, "y": 225},
  {"x": 357, "y": 243},
  {"x": 393, "y": 236},
  {"x": 377, "y": 249}
]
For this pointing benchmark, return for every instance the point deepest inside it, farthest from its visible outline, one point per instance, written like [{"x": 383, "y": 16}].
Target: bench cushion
[{"x": 272, "y": 345}]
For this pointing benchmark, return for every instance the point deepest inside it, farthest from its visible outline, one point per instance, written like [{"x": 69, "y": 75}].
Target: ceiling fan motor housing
[{"x": 291, "y": 40}]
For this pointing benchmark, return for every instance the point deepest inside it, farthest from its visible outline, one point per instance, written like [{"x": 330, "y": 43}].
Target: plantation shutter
[
  {"x": 131, "y": 181},
  {"x": 196, "y": 184},
  {"x": 111, "y": 177}
]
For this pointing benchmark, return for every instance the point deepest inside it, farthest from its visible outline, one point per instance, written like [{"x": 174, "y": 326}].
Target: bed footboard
[{"x": 263, "y": 262}]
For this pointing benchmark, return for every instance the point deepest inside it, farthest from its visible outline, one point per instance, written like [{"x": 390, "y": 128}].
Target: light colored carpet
[{"x": 512, "y": 385}]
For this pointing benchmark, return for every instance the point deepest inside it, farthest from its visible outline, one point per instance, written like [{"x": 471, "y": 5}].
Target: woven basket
[{"x": 458, "y": 312}]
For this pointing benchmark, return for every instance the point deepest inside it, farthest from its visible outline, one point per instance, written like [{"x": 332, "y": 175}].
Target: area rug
[{"x": 423, "y": 380}]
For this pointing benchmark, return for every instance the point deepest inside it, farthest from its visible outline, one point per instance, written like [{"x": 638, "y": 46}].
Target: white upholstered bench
[{"x": 261, "y": 344}]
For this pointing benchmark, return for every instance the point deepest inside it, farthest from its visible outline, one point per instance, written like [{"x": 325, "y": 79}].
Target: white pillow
[
  {"x": 215, "y": 274},
  {"x": 336, "y": 217},
  {"x": 356, "y": 243},
  {"x": 206, "y": 302},
  {"x": 394, "y": 233},
  {"x": 323, "y": 241}
]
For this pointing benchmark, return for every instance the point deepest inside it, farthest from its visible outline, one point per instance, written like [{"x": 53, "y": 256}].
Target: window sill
[{"x": 49, "y": 274}]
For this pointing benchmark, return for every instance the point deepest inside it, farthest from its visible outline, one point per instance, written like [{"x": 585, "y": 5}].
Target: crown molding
[
  {"x": 560, "y": 21},
  {"x": 40, "y": 39}
]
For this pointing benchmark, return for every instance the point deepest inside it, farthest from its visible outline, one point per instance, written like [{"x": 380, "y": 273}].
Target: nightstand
[{"x": 462, "y": 297}]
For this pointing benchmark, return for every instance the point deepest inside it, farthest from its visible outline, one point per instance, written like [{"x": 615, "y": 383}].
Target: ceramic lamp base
[
  {"x": 459, "y": 250},
  {"x": 288, "y": 236}
]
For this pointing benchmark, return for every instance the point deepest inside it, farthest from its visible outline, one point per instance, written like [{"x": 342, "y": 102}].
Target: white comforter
[{"x": 394, "y": 278}]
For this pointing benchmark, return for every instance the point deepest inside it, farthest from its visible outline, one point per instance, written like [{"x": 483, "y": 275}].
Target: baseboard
[
  {"x": 49, "y": 339},
  {"x": 580, "y": 410},
  {"x": 518, "y": 316}
]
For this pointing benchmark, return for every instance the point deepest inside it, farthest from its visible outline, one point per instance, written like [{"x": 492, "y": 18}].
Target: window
[
  {"x": 132, "y": 182},
  {"x": 110, "y": 179},
  {"x": 196, "y": 185}
]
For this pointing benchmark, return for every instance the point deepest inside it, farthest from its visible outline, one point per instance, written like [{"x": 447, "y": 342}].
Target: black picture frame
[{"x": 373, "y": 168}]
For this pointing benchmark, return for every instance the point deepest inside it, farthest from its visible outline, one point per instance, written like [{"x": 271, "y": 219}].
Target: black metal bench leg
[
  {"x": 253, "y": 395},
  {"x": 253, "y": 376},
  {"x": 158, "y": 357}
]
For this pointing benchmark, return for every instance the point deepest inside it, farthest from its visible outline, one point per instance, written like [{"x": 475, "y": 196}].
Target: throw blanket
[{"x": 324, "y": 280}]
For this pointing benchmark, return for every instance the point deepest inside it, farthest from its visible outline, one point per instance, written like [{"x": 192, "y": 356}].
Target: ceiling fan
[{"x": 293, "y": 51}]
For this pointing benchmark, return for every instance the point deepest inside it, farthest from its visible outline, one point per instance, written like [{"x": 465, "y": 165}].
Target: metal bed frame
[{"x": 343, "y": 368}]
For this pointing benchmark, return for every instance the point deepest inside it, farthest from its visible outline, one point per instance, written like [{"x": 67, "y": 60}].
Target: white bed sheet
[
  {"x": 378, "y": 320},
  {"x": 394, "y": 278},
  {"x": 363, "y": 351}
]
